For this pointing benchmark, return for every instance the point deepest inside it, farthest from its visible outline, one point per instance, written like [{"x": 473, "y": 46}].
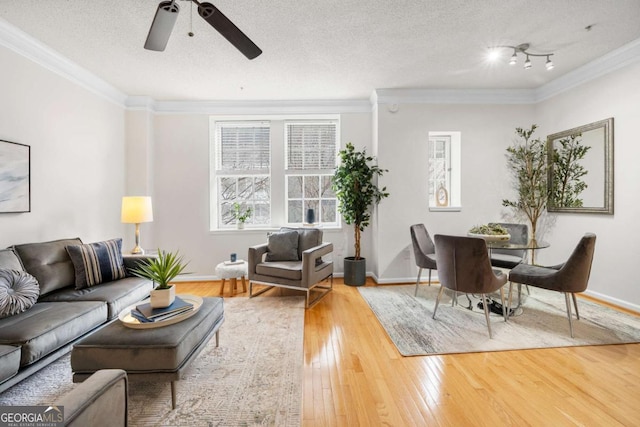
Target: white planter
[
  {"x": 240, "y": 225},
  {"x": 161, "y": 298}
]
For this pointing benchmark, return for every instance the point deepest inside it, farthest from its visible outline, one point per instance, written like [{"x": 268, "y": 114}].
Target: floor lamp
[{"x": 136, "y": 210}]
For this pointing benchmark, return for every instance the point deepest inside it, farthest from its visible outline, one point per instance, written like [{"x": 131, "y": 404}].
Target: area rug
[
  {"x": 254, "y": 378},
  {"x": 540, "y": 323}
]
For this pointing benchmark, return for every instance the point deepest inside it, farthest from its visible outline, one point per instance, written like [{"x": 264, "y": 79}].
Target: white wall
[
  {"x": 181, "y": 194},
  {"x": 486, "y": 130},
  {"x": 615, "y": 95},
  {"x": 77, "y": 155}
]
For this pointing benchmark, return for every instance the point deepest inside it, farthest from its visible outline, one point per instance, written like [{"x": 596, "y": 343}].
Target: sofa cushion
[
  {"x": 18, "y": 292},
  {"x": 9, "y": 361},
  {"x": 283, "y": 246},
  {"x": 286, "y": 269},
  {"x": 48, "y": 326},
  {"x": 117, "y": 295},
  {"x": 307, "y": 238},
  {"x": 96, "y": 263},
  {"x": 49, "y": 263},
  {"x": 9, "y": 260}
]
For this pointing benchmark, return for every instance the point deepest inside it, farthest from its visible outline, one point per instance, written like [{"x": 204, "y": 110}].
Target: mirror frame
[{"x": 607, "y": 124}]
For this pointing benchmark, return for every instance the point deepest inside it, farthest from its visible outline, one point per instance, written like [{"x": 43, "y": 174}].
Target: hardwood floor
[{"x": 354, "y": 376}]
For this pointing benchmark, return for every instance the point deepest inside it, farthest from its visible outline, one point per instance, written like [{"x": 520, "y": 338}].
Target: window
[
  {"x": 311, "y": 150},
  {"x": 444, "y": 170},
  {"x": 278, "y": 166},
  {"x": 242, "y": 171}
]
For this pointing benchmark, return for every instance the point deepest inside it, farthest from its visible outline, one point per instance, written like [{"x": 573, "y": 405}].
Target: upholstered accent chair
[
  {"x": 423, "y": 250},
  {"x": 509, "y": 258},
  {"x": 569, "y": 278},
  {"x": 292, "y": 258},
  {"x": 464, "y": 266}
]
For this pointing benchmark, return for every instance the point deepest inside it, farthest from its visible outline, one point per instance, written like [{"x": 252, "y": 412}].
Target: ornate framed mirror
[{"x": 580, "y": 168}]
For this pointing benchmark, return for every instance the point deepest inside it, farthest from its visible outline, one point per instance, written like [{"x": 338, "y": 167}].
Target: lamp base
[{"x": 137, "y": 251}]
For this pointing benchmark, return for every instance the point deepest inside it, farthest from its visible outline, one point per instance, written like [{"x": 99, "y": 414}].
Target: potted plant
[
  {"x": 355, "y": 185},
  {"x": 240, "y": 215},
  {"x": 527, "y": 161},
  {"x": 161, "y": 270}
]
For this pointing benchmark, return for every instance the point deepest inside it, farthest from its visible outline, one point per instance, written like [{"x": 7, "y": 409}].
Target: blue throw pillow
[{"x": 96, "y": 263}]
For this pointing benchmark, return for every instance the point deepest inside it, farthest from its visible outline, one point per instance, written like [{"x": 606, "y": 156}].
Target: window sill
[
  {"x": 261, "y": 230},
  {"x": 446, "y": 209}
]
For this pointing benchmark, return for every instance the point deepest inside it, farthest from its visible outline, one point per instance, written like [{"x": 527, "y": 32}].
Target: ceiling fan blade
[
  {"x": 162, "y": 25},
  {"x": 224, "y": 26}
]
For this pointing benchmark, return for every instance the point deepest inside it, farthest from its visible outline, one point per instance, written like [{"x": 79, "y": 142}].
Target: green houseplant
[
  {"x": 355, "y": 186},
  {"x": 241, "y": 215},
  {"x": 161, "y": 270}
]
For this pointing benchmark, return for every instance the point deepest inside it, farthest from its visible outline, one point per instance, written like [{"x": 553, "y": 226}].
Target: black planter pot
[{"x": 355, "y": 271}]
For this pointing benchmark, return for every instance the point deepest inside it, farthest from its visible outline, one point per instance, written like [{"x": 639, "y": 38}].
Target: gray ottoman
[{"x": 158, "y": 354}]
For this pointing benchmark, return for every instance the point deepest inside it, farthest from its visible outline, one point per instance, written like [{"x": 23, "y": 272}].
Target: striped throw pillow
[{"x": 96, "y": 263}]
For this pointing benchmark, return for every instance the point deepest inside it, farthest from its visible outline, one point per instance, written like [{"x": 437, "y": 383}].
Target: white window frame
[
  {"x": 320, "y": 173},
  {"x": 452, "y": 183},
  {"x": 277, "y": 174}
]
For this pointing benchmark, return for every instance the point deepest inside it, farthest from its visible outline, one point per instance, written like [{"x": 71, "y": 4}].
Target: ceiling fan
[{"x": 166, "y": 17}]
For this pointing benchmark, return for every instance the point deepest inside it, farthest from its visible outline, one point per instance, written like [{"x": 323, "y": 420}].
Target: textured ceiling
[{"x": 327, "y": 49}]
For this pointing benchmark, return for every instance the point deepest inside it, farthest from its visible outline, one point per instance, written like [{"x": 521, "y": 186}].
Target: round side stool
[{"x": 232, "y": 272}]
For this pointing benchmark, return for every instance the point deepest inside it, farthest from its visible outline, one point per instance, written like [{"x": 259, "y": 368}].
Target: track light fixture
[{"x": 523, "y": 49}]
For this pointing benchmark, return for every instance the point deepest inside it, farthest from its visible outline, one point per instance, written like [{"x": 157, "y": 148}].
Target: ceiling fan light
[
  {"x": 514, "y": 58},
  {"x": 527, "y": 63},
  {"x": 549, "y": 65},
  {"x": 162, "y": 26}
]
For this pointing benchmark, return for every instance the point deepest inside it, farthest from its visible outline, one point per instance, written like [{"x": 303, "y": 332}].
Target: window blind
[
  {"x": 243, "y": 146},
  {"x": 311, "y": 145}
]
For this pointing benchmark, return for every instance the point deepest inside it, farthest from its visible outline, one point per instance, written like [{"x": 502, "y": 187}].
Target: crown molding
[
  {"x": 248, "y": 107},
  {"x": 610, "y": 62},
  {"x": 453, "y": 96},
  {"x": 23, "y": 44}
]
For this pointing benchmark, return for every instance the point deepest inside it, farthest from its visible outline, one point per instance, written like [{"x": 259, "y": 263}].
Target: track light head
[
  {"x": 514, "y": 58},
  {"x": 527, "y": 63},
  {"x": 162, "y": 26},
  {"x": 549, "y": 65}
]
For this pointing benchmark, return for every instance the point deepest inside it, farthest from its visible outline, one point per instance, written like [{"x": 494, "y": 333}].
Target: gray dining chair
[
  {"x": 569, "y": 278},
  {"x": 464, "y": 266},
  {"x": 423, "y": 250}
]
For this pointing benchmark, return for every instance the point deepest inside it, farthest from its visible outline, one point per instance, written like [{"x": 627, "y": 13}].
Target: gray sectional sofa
[{"x": 62, "y": 313}]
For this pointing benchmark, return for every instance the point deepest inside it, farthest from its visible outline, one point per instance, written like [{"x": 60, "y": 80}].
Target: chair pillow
[
  {"x": 18, "y": 292},
  {"x": 283, "y": 246},
  {"x": 96, "y": 263}
]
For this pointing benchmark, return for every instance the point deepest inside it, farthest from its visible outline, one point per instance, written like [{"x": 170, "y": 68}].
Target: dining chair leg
[
  {"x": 486, "y": 313},
  {"x": 575, "y": 304},
  {"x": 437, "y": 301},
  {"x": 504, "y": 308},
  {"x": 415, "y": 294},
  {"x": 510, "y": 293},
  {"x": 566, "y": 299},
  {"x": 429, "y": 277}
]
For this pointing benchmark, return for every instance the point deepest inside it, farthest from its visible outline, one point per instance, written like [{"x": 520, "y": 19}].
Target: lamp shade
[{"x": 136, "y": 210}]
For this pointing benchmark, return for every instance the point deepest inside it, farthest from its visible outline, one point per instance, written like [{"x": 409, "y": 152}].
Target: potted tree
[
  {"x": 527, "y": 161},
  {"x": 355, "y": 185},
  {"x": 161, "y": 270}
]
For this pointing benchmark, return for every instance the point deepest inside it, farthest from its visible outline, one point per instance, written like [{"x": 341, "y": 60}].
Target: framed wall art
[{"x": 15, "y": 177}]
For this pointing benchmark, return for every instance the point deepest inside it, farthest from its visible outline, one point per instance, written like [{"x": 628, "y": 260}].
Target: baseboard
[{"x": 614, "y": 301}]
